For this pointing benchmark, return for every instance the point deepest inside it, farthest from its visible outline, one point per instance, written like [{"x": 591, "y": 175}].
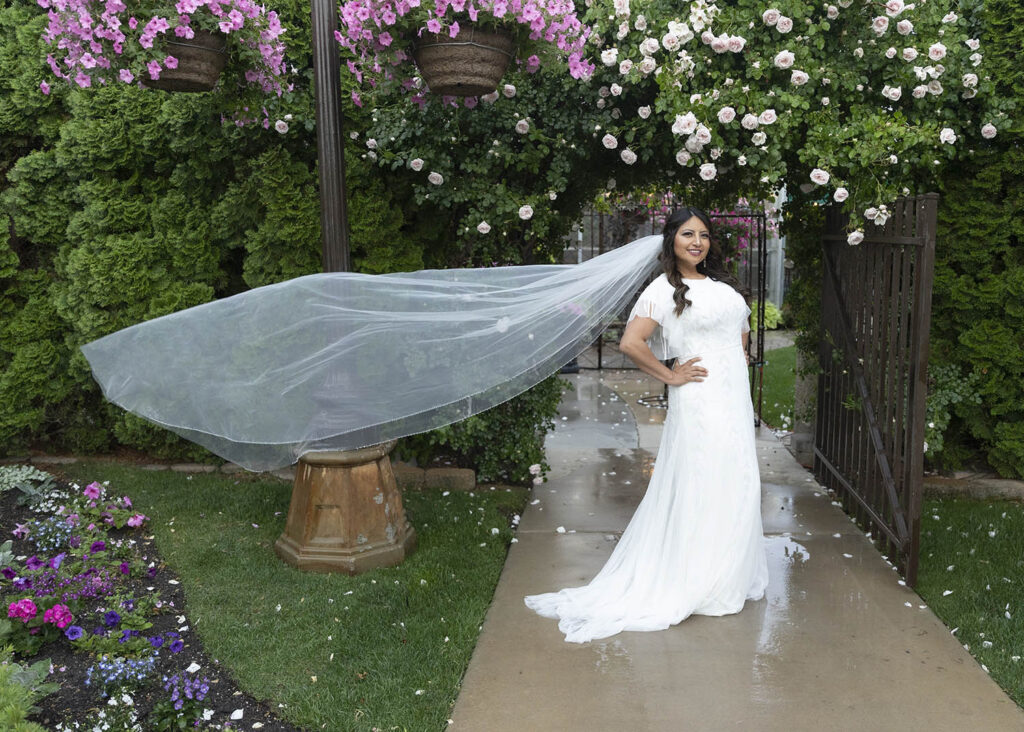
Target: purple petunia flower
[
  {"x": 74, "y": 542},
  {"x": 125, "y": 568},
  {"x": 57, "y": 560},
  {"x": 8, "y": 573},
  {"x": 34, "y": 563},
  {"x": 73, "y": 632},
  {"x": 156, "y": 641},
  {"x": 177, "y": 646},
  {"x": 97, "y": 546},
  {"x": 151, "y": 572},
  {"x": 111, "y": 618},
  {"x": 93, "y": 490}
]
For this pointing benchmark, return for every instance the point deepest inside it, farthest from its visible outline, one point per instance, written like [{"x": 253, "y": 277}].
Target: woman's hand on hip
[{"x": 684, "y": 373}]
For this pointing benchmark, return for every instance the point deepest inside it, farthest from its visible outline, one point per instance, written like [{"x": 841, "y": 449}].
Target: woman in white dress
[{"x": 695, "y": 544}]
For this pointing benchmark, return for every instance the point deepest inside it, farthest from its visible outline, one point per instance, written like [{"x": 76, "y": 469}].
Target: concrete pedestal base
[{"x": 346, "y": 513}]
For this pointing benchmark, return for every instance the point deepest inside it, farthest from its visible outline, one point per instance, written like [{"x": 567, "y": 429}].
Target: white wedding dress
[{"x": 695, "y": 544}]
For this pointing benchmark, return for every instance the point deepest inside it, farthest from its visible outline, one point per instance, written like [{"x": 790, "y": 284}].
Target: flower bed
[{"x": 83, "y": 587}]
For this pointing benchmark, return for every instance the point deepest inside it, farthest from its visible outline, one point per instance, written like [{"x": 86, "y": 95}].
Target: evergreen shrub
[{"x": 501, "y": 443}]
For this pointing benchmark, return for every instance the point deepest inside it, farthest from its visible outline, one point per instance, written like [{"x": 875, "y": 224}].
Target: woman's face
[{"x": 693, "y": 240}]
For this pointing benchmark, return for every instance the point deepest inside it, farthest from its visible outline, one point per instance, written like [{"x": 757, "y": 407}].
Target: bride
[{"x": 695, "y": 544}]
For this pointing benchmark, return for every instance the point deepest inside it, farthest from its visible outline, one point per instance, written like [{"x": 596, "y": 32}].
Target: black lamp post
[{"x": 330, "y": 144}]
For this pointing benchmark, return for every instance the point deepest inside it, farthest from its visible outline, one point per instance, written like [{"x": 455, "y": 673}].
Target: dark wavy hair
[{"x": 712, "y": 266}]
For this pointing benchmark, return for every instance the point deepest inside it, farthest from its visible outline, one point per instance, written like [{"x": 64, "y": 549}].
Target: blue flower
[
  {"x": 156, "y": 641},
  {"x": 73, "y": 632},
  {"x": 177, "y": 645},
  {"x": 111, "y": 618}
]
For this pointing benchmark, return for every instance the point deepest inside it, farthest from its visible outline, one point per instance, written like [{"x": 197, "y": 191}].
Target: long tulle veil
[{"x": 341, "y": 361}]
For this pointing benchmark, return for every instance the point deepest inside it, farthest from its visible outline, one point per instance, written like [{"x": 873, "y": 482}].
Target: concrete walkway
[{"x": 836, "y": 644}]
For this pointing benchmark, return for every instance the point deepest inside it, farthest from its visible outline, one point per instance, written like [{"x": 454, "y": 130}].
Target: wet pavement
[{"x": 836, "y": 644}]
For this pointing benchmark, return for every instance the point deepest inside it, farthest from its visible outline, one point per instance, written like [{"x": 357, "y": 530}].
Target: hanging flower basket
[
  {"x": 200, "y": 61},
  {"x": 469, "y": 65}
]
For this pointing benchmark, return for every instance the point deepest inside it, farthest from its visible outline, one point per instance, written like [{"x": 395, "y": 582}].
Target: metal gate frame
[{"x": 873, "y": 354}]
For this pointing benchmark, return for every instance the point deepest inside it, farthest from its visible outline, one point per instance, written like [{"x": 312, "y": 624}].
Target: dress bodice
[{"x": 716, "y": 319}]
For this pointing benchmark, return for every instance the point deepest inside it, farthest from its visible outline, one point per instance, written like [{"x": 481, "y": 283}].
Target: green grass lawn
[
  {"x": 971, "y": 575},
  {"x": 386, "y": 649},
  {"x": 779, "y": 378}
]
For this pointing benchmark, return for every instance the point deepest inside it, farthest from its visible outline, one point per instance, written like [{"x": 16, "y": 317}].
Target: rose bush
[
  {"x": 856, "y": 103},
  {"x": 862, "y": 100}
]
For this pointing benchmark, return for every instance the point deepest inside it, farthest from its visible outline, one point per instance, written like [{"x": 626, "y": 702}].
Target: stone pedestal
[{"x": 346, "y": 513}]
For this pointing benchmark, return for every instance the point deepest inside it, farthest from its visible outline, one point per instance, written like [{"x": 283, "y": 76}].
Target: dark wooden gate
[{"x": 869, "y": 436}]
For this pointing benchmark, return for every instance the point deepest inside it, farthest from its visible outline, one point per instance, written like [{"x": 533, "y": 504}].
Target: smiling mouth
[{"x": 695, "y": 252}]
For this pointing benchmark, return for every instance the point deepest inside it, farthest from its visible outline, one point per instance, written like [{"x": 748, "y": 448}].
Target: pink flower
[
  {"x": 59, "y": 615},
  {"x": 154, "y": 69},
  {"x": 171, "y": 62},
  {"x": 434, "y": 25},
  {"x": 20, "y": 531},
  {"x": 93, "y": 490},
  {"x": 44, "y": 87},
  {"x": 136, "y": 520},
  {"x": 132, "y": 23},
  {"x": 83, "y": 80},
  {"x": 24, "y": 609}
]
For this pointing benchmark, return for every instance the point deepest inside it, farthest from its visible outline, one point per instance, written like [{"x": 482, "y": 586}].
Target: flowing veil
[{"x": 339, "y": 361}]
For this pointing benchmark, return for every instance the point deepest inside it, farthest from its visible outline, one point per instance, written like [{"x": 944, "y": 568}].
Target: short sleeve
[
  {"x": 649, "y": 305},
  {"x": 652, "y": 304},
  {"x": 746, "y": 320}
]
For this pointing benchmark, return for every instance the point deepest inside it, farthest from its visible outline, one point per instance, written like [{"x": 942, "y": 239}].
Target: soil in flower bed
[{"x": 76, "y": 701}]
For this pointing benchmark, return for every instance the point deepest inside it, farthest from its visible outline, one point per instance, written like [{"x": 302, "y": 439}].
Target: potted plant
[
  {"x": 177, "y": 46},
  {"x": 460, "y": 47}
]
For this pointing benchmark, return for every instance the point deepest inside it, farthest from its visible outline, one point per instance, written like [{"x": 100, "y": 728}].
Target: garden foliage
[
  {"x": 500, "y": 443},
  {"x": 20, "y": 686}
]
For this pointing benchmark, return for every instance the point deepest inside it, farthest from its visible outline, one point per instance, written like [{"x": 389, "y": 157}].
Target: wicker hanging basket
[
  {"x": 468, "y": 65},
  {"x": 200, "y": 61}
]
